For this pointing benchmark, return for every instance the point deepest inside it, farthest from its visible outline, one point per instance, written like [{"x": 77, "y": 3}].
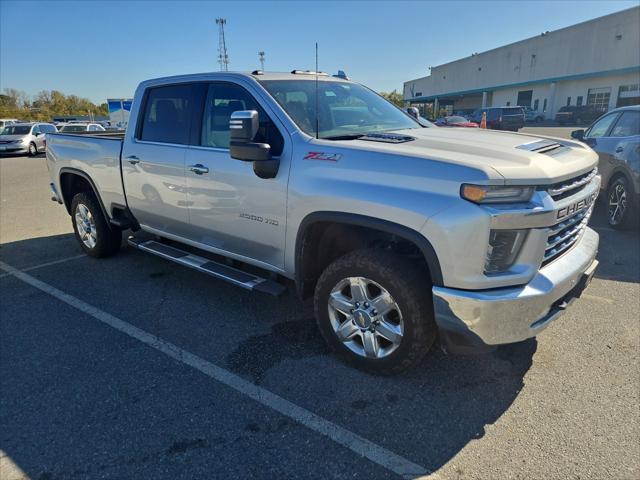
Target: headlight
[
  {"x": 496, "y": 193},
  {"x": 504, "y": 246}
]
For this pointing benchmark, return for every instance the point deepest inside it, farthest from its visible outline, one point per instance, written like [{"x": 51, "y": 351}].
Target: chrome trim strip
[{"x": 565, "y": 186}]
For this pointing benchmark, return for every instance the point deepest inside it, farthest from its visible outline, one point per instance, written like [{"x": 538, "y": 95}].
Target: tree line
[{"x": 45, "y": 105}]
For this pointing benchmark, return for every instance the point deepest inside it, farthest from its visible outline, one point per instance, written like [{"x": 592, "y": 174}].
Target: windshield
[
  {"x": 16, "y": 130},
  {"x": 74, "y": 128},
  {"x": 346, "y": 109},
  {"x": 456, "y": 119}
]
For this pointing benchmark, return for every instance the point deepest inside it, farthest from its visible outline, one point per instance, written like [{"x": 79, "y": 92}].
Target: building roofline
[
  {"x": 522, "y": 41},
  {"x": 577, "y": 76}
]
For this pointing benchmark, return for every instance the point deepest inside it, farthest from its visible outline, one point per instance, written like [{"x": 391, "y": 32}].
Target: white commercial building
[{"x": 592, "y": 63}]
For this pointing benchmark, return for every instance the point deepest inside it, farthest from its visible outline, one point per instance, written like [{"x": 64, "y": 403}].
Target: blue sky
[{"x": 99, "y": 49}]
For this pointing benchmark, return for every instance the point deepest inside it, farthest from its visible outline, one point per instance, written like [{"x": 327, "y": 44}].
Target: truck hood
[{"x": 515, "y": 158}]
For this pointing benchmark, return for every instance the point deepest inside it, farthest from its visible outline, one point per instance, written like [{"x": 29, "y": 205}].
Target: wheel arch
[
  {"x": 73, "y": 181},
  {"x": 352, "y": 230}
]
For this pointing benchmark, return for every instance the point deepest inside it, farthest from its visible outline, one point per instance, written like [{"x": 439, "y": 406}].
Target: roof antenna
[{"x": 317, "y": 112}]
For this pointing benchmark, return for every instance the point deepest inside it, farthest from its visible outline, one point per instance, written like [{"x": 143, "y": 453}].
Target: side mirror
[
  {"x": 243, "y": 127},
  {"x": 578, "y": 134},
  {"x": 414, "y": 112}
]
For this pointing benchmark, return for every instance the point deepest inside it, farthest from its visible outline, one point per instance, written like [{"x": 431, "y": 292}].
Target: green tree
[
  {"x": 46, "y": 104},
  {"x": 394, "y": 97}
]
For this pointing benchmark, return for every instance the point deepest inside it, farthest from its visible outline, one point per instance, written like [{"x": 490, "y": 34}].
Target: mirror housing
[
  {"x": 413, "y": 111},
  {"x": 578, "y": 134},
  {"x": 243, "y": 128}
]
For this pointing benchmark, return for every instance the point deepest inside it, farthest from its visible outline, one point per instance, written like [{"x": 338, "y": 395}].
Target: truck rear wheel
[
  {"x": 374, "y": 309},
  {"x": 94, "y": 234}
]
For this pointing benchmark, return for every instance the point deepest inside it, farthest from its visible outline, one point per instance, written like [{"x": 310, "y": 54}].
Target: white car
[
  {"x": 81, "y": 127},
  {"x": 5, "y": 122}
]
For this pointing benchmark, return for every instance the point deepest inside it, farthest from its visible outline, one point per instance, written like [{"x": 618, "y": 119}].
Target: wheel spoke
[
  {"x": 370, "y": 343},
  {"x": 358, "y": 290},
  {"x": 383, "y": 303},
  {"x": 389, "y": 331},
  {"x": 341, "y": 303},
  {"x": 347, "y": 330}
]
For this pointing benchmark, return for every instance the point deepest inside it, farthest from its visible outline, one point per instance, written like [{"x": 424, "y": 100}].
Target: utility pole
[
  {"x": 223, "y": 57},
  {"x": 261, "y": 57}
]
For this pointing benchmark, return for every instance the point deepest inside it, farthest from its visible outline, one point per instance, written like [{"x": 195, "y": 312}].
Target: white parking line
[
  {"x": 48, "y": 264},
  {"x": 360, "y": 445}
]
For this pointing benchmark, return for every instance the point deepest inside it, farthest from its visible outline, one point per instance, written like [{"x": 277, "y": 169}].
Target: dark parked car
[
  {"x": 578, "y": 115},
  {"x": 455, "y": 121},
  {"x": 616, "y": 138},
  {"x": 501, "y": 118}
]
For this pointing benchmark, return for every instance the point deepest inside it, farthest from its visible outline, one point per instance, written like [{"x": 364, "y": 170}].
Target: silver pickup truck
[{"x": 402, "y": 232}]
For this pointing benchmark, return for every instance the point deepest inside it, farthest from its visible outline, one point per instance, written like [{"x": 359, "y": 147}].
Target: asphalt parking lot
[{"x": 132, "y": 367}]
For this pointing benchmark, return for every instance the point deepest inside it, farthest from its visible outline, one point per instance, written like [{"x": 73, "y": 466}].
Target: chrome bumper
[{"x": 507, "y": 315}]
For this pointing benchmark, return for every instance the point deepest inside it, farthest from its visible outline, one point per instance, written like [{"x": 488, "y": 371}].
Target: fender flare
[{"x": 386, "y": 226}]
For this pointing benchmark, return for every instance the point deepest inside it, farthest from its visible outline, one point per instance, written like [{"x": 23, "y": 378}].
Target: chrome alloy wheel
[
  {"x": 86, "y": 226},
  {"x": 365, "y": 317},
  {"x": 617, "y": 204}
]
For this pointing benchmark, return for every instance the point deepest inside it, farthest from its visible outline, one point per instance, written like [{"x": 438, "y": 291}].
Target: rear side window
[
  {"x": 627, "y": 125},
  {"x": 168, "y": 114},
  {"x": 512, "y": 111}
]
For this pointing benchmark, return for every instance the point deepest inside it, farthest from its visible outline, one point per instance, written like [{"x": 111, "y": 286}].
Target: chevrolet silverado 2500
[{"x": 401, "y": 232}]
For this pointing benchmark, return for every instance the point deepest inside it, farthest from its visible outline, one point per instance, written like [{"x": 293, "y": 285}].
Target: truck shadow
[
  {"x": 427, "y": 415},
  {"x": 619, "y": 250}
]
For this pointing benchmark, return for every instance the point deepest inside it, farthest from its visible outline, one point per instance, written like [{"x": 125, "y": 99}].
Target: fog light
[{"x": 504, "y": 246}]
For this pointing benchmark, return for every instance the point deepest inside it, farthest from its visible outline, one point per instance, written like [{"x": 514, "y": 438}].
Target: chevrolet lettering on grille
[{"x": 577, "y": 206}]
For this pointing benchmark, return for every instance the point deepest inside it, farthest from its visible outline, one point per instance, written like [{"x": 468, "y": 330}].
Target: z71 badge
[{"x": 327, "y": 157}]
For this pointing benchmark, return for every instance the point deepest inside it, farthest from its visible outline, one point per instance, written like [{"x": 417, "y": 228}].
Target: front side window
[
  {"x": 222, "y": 100},
  {"x": 167, "y": 114},
  {"x": 627, "y": 125},
  {"x": 344, "y": 109},
  {"x": 600, "y": 128}
]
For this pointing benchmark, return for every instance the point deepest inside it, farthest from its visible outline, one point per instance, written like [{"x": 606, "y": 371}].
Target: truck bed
[{"x": 96, "y": 154}]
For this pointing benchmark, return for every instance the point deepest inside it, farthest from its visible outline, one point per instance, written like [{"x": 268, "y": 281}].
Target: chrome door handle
[
  {"x": 132, "y": 159},
  {"x": 198, "y": 169}
]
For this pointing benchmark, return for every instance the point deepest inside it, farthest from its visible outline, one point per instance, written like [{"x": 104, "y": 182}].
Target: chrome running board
[{"x": 229, "y": 274}]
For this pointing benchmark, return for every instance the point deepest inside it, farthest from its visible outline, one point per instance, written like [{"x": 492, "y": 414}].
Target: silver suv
[{"x": 25, "y": 138}]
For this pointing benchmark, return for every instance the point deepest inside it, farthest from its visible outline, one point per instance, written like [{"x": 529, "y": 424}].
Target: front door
[
  {"x": 153, "y": 162},
  {"x": 597, "y": 138},
  {"x": 231, "y": 209}
]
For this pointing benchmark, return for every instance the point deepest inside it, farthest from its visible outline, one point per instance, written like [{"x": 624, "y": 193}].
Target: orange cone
[{"x": 483, "y": 122}]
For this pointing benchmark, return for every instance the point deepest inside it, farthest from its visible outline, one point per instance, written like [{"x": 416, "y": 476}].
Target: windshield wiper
[{"x": 352, "y": 136}]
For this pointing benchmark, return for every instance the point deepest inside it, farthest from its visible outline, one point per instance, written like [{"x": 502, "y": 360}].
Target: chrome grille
[
  {"x": 563, "y": 235},
  {"x": 565, "y": 189}
]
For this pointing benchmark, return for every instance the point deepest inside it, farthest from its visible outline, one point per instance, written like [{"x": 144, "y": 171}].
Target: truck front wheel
[
  {"x": 374, "y": 309},
  {"x": 96, "y": 237}
]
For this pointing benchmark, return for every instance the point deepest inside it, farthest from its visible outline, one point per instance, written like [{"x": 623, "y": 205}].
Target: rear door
[
  {"x": 512, "y": 118},
  {"x": 231, "y": 209},
  {"x": 153, "y": 163}
]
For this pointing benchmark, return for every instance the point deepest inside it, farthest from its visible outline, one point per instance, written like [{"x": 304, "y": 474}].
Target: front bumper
[
  {"x": 13, "y": 148},
  {"x": 474, "y": 320}
]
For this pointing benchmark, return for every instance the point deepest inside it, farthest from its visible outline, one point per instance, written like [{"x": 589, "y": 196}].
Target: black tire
[
  {"x": 410, "y": 288},
  {"x": 33, "y": 149},
  {"x": 626, "y": 216},
  {"x": 107, "y": 238}
]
